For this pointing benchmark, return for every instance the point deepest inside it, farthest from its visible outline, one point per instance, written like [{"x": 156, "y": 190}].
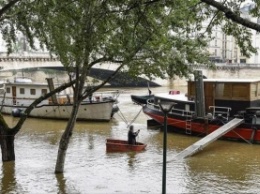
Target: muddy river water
[{"x": 222, "y": 167}]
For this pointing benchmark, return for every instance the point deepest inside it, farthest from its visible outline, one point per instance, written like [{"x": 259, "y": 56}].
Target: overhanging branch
[{"x": 232, "y": 16}]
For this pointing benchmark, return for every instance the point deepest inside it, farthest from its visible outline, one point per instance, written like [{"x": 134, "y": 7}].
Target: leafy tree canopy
[
  {"x": 151, "y": 37},
  {"x": 147, "y": 36}
]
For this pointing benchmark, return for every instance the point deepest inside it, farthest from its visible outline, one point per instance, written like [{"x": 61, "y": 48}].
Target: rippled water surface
[{"x": 222, "y": 167}]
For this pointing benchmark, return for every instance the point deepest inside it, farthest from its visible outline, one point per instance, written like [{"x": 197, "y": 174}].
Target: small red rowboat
[{"x": 116, "y": 145}]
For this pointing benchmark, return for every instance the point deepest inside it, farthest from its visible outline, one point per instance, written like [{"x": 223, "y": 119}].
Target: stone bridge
[{"x": 100, "y": 72}]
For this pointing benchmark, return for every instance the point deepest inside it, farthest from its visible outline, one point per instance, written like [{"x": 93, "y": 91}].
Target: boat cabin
[
  {"x": 23, "y": 91},
  {"x": 237, "y": 94}
]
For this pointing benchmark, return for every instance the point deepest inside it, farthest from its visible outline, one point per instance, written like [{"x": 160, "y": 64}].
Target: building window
[
  {"x": 22, "y": 91},
  {"x": 242, "y": 60},
  {"x": 44, "y": 91},
  {"x": 8, "y": 90},
  {"x": 32, "y": 91}
]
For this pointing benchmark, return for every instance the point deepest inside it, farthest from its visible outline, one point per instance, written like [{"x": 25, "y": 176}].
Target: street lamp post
[{"x": 165, "y": 107}]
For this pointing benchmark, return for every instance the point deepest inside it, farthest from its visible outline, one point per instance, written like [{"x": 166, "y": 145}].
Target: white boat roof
[
  {"x": 25, "y": 84},
  {"x": 23, "y": 80},
  {"x": 167, "y": 96},
  {"x": 235, "y": 80}
]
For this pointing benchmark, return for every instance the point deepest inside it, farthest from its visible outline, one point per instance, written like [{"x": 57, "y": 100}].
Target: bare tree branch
[
  {"x": 232, "y": 16},
  {"x": 7, "y": 7}
]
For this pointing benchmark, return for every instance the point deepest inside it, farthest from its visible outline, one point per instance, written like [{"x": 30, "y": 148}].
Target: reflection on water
[
  {"x": 90, "y": 141},
  {"x": 8, "y": 182},
  {"x": 61, "y": 182},
  {"x": 222, "y": 167},
  {"x": 131, "y": 159}
]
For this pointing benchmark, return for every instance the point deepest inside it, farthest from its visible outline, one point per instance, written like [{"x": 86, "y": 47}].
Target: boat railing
[
  {"x": 220, "y": 111},
  {"x": 183, "y": 112},
  {"x": 107, "y": 95},
  {"x": 103, "y": 96},
  {"x": 152, "y": 105},
  {"x": 25, "y": 103}
]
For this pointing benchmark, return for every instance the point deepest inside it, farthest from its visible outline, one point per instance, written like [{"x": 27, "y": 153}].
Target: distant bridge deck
[
  {"x": 229, "y": 66},
  {"x": 100, "y": 72},
  {"x": 7, "y": 63}
]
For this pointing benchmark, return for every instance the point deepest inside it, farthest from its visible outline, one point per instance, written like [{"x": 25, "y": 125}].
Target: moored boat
[
  {"x": 210, "y": 104},
  {"x": 117, "y": 145},
  {"x": 17, "y": 95},
  {"x": 141, "y": 99}
]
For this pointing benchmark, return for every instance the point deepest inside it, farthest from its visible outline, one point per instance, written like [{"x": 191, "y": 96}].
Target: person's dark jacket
[{"x": 132, "y": 137}]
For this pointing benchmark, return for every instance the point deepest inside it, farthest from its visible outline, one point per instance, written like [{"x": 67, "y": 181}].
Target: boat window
[
  {"x": 253, "y": 90},
  {"x": 22, "y": 91},
  {"x": 256, "y": 121},
  {"x": 223, "y": 90},
  {"x": 187, "y": 107},
  {"x": 231, "y": 91},
  {"x": 8, "y": 90},
  {"x": 44, "y": 91},
  {"x": 32, "y": 91},
  {"x": 227, "y": 89},
  {"x": 219, "y": 90},
  {"x": 257, "y": 89},
  {"x": 239, "y": 91}
]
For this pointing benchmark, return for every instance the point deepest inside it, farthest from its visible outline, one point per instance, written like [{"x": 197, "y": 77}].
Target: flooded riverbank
[{"x": 222, "y": 167}]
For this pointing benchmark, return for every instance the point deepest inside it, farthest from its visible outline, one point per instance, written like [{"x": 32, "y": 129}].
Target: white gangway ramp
[{"x": 199, "y": 145}]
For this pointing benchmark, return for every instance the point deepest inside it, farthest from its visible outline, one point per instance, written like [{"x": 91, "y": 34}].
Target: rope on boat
[
  {"x": 125, "y": 120},
  {"x": 135, "y": 117},
  {"x": 121, "y": 115},
  {"x": 242, "y": 138}
]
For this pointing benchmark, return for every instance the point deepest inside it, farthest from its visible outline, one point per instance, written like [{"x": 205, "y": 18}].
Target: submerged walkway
[{"x": 199, "y": 145}]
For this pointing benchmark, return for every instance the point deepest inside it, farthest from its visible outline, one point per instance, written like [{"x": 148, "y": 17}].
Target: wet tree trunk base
[
  {"x": 65, "y": 139},
  {"x": 61, "y": 159},
  {"x": 7, "y": 146}
]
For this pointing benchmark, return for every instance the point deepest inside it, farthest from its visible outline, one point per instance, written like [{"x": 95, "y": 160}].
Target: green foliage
[
  {"x": 155, "y": 38},
  {"x": 151, "y": 38},
  {"x": 220, "y": 17}
]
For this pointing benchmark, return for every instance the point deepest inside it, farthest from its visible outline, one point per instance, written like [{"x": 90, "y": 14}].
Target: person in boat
[
  {"x": 150, "y": 92},
  {"x": 132, "y": 135},
  {"x": 90, "y": 98}
]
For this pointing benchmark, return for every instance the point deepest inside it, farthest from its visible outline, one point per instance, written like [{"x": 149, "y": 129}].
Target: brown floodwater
[{"x": 222, "y": 167}]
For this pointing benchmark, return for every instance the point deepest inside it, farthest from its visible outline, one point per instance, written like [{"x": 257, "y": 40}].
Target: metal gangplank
[{"x": 199, "y": 145}]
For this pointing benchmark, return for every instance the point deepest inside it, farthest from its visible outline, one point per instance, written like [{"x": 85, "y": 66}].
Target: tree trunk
[
  {"x": 7, "y": 134},
  {"x": 7, "y": 145},
  {"x": 64, "y": 142}
]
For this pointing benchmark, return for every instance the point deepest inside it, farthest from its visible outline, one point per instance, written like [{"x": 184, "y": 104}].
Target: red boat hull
[
  {"x": 116, "y": 145},
  {"x": 179, "y": 124}
]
